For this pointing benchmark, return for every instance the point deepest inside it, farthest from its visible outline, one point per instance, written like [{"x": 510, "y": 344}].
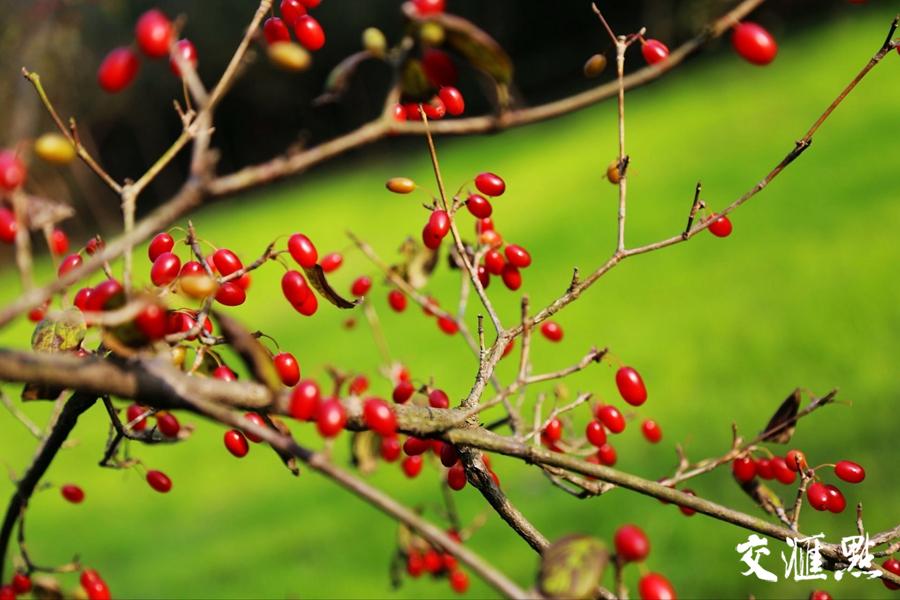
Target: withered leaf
[
  {"x": 418, "y": 263},
  {"x": 762, "y": 495},
  {"x": 572, "y": 567},
  {"x": 254, "y": 354},
  {"x": 44, "y": 587},
  {"x": 782, "y": 425},
  {"x": 316, "y": 277},
  {"x": 364, "y": 449},
  {"x": 339, "y": 78},
  {"x": 62, "y": 334},
  {"x": 44, "y": 211}
]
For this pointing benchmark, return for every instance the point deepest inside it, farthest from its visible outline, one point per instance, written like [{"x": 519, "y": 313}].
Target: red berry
[
  {"x": 459, "y": 581},
  {"x": 490, "y": 184},
  {"x": 302, "y": 250},
  {"x": 257, "y": 420},
  {"x": 37, "y": 314},
  {"x": 892, "y": 565},
  {"x": 836, "y": 501},
  {"x": 453, "y": 100},
  {"x": 429, "y": 7},
  {"x": 107, "y": 294},
  {"x": 479, "y": 206},
  {"x": 744, "y": 469},
  {"x": 849, "y": 471},
  {"x": 224, "y": 373},
  {"x": 152, "y": 321},
  {"x": 379, "y": 417},
  {"x": 82, "y": 298},
  {"x": 414, "y": 446},
  {"x": 430, "y": 238},
  {"x": 494, "y": 262},
  {"x": 359, "y": 385},
  {"x": 439, "y": 68},
  {"x": 631, "y": 543},
  {"x": 153, "y": 33},
  {"x": 553, "y": 431},
  {"x": 511, "y": 276},
  {"x": 231, "y": 294},
  {"x": 795, "y": 460},
  {"x": 435, "y": 109},
  {"x": 610, "y": 416},
  {"x": 764, "y": 468},
  {"x": 399, "y": 112},
  {"x": 161, "y": 243},
  {"x": 397, "y": 300},
  {"x": 8, "y": 224},
  {"x": 168, "y": 424},
  {"x": 331, "y": 418},
  {"x": 133, "y": 412},
  {"x": 781, "y": 471},
  {"x": 288, "y": 368},
  {"x": 72, "y": 493},
  {"x": 236, "y": 443},
  {"x": 186, "y": 50},
  {"x": 165, "y": 269},
  {"x": 517, "y": 256},
  {"x": 331, "y": 262},
  {"x": 607, "y": 455},
  {"x": 817, "y": 495},
  {"x": 447, "y": 325},
  {"x": 631, "y": 386},
  {"x": 651, "y": 431},
  {"x": 305, "y": 401},
  {"x": 654, "y": 586},
  {"x": 70, "y": 263},
  {"x": 12, "y": 171},
  {"x": 754, "y": 43},
  {"x": 403, "y": 392},
  {"x": 449, "y": 455},
  {"x": 595, "y": 433},
  {"x": 159, "y": 481},
  {"x": 438, "y": 398},
  {"x": 484, "y": 278},
  {"x": 391, "y": 448},
  {"x": 21, "y": 583},
  {"x": 415, "y": 564},
  {"x": 456, "y": 477},
  {"x": 292, "y": 10},
  {"x": 295, "y": 288},
  {"x": 59, "y": 242},
  {"x": 226, "y": 261},
  {"x": 276, "y": 31},
  {"x": 685, "y": 510},
  {"x": 654, "y": 51},
  {"x": 552, "y": 331},
  {"x": 412, "y": 465},
  {"x": 309, "y": 33},
  {"x": 7, "y": 593},
  {"x": 94, "y": 244},
  {"x": 720, "y": 226},
  {"x": 361, "y": 286},
  {"x": 308, "y": 307},
  {"x": 819, "y": 595},
  {"x": 96, "y": 589},
  {"x": 118, "y": 69},
  {"x": 439, "y": 223}
]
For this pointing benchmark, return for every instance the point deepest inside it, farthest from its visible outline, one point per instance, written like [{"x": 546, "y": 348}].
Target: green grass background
[{"x": 804, "y": 293}]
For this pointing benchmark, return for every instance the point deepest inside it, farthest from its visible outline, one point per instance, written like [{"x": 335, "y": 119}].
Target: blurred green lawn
[{"x": 804, "y": 293}]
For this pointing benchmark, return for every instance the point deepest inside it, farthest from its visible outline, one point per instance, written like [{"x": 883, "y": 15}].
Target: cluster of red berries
[
  {"x": 18, "y": 586},
  {"x": 295, "y": 16},
  {"x": 608, "y": 418},
  {"x": 633, "y": 546},
  {"x": 820, "y": 496},
  {"x": 12, "y": 175},
  {"x": 92, "y": 586},
  {"x": 422, "y": 558},
  {"x": 153, "y": 33},
  {"x": 448, "y": 101}
]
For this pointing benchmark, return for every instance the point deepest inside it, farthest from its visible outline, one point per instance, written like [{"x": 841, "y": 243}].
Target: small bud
[
  {"x": 374, "y": 41},
  {"x": 400, "y": 185},
  {"x": 289, "y": 56},
  {"x": 54, "y": 148},
  {"x": 594, "y": 66}
]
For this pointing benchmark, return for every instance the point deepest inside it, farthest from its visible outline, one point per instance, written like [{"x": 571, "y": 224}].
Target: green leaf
[
  {"x": 60, "y": 335},
  {"x": 316, "y": 277},
  {"x": 572, "y": 567},
  {"x": 413, "y": 81}
]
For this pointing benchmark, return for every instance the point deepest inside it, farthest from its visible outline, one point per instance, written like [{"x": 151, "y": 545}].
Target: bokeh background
[{"x": 804, "y": 293}]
